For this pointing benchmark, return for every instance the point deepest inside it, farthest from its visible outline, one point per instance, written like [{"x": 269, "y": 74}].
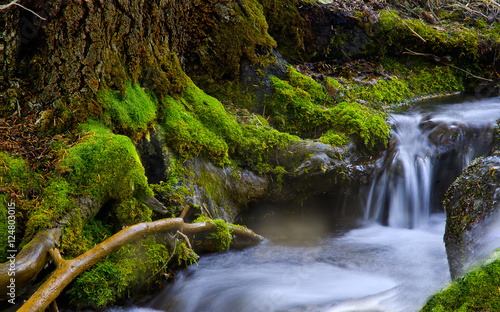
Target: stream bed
[{"x": 391, "y": 257}]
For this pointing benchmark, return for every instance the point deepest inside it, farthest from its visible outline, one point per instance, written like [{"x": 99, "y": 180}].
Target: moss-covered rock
[
  {"x": 476, "y": 291},
  {"x": 470, "y": 201}
]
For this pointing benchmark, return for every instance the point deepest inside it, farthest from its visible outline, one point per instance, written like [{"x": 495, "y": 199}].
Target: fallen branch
[{"x": 68, "y": 270}]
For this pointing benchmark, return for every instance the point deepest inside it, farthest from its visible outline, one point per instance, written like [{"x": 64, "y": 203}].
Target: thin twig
[
  {"x": 453, "y": 66},
  {"x": 477, "y": 77},
  {"x": 434, "y": 14},
  {"x": 492, "y": 2},
  {"x": 413, "y": 31},
  {"x": 469, "y": 9},
  {"x": 5, "y": 6}
]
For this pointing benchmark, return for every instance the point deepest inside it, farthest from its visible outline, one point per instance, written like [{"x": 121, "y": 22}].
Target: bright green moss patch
[
  {"x": 476, "y": 291},
  {"x": 261, "y": 143},
  {"x": 366, "y": 125},
  {"x": 131, "y": 112},
  {"x": 105, "y": 166},
  {"x": 198, "y": 124},
  {"x": 334, "y": 138},
  {"x": 306, "y": 83},
  {"x": 294, "y": 110},
  {"x": 221, "y": 238},
  {"x": 57, "y": 201}
]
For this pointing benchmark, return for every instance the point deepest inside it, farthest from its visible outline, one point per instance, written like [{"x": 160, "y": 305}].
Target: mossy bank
[{"x": 149, "y": 101}]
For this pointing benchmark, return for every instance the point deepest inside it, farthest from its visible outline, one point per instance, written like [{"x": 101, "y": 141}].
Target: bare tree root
[
  {"x": 68, "y": 270},
  {"x": 29, "y": 262}
]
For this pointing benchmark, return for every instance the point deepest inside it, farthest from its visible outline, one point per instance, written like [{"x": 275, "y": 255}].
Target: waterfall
[
  {"x": 427, "y": 151},
  {"x": 400, "y": 195}
]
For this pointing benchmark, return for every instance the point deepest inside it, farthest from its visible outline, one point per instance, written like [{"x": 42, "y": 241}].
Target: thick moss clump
[
  {"x": 131, "y": 112},
  {"x": 199, "y": 125},
  {"x": 476, "y": 291},
  {"x": 294, "y": 110},
  {"x": 220, "y": 240},
  {"x": 16, "y": 180},
  {"x": 464, "y": 46},
  {"x": 105, "y": 166}
]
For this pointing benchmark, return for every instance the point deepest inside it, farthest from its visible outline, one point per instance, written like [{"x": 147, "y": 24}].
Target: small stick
[
  {"x": 5, "y": 6},
  {"x": 413, "y": 31}
]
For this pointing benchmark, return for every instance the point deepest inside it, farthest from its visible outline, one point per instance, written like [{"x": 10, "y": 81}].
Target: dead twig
[
  {"x": 432, "y": 56},
  {"x": 5, "y": 6},
  {"x": 414, "y": 32}
]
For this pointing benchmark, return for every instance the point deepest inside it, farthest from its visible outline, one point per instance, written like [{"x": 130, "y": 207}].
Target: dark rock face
[
  {"x": 331, "y": 33},
  {"x": 470, "y": 203}
]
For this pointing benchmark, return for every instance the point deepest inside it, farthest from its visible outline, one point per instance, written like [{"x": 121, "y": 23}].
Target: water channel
[{"x": 391, "y": 257}]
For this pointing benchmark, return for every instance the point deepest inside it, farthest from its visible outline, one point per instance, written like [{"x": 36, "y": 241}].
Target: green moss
[
  {"x": 129, "y": 270},
  {"x": 365, "y": 125},
  {"x": 57, "y": 202},
  {"x": 457, "y": 41},
  {"x": 132, "y": 211},
  {"x": 476, "y": 291},
  {"x": 197, "y": 124},
  {"x": 334, "y": 138},
  {"x": 306, "y": 83},
  {"x": 4, "y": 228},
  {"x": 221, "y": 238},
  {"x": 105, "y": 166},
  {"x": 131, "y": 112},
  {"x": 294, "y": 110},
  {"x": 261, "y": 144}
]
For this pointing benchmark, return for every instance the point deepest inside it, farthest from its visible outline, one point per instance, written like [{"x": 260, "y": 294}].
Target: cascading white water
[
  {"x": 400, "y": 196},
  {"x": 401, "y": 192}
]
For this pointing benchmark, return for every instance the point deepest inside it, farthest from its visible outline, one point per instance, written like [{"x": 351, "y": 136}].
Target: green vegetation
[
  {"x": 476, "y": 291},
  {"x": 461, "y": 44},
  {"x": 105, "y": 166},
  {"x": 221, "y": 238},
  {"x": 294, "y": 110},
  {"x": 199, "y": 125},
  {"x": 131, "y": 113},
  {"x": 131, "y": 268}
]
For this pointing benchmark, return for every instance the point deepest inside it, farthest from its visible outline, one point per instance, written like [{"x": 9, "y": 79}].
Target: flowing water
[{"x": 390, "y": 259}]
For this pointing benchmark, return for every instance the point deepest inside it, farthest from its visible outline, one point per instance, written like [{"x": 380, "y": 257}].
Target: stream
[{"x": 390, "y": 257}]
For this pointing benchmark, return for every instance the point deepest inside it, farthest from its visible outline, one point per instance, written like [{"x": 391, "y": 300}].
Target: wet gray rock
[{"x": 472, "y": 205}]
